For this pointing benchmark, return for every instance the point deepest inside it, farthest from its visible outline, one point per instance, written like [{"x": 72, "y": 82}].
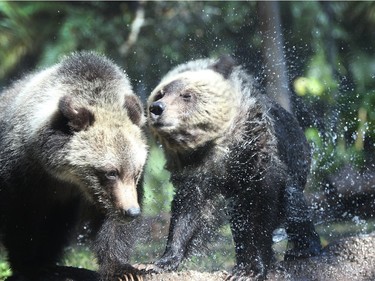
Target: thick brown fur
[
  {"x": 223, "y": 139},
  {"x": 71, "y": 143}
]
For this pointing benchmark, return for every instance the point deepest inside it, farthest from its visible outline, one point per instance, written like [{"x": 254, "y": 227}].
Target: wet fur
[
  {"x": 223, "y": 139},
  {"x": 62, "y": 129}
]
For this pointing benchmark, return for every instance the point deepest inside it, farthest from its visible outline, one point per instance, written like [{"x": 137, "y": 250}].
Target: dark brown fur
[
  {"x": 70, "y": 144},
  {"x": 223, "y": 139}
]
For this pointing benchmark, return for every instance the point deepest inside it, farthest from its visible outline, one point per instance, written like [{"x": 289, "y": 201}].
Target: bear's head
[
  {"x": 100, "y": 149},
  {"x": 193, "y": 106},
  {"x": 84, "y": 129}
]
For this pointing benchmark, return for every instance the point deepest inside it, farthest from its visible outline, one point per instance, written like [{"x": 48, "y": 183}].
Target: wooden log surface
[{"x": 349, "y": 259}]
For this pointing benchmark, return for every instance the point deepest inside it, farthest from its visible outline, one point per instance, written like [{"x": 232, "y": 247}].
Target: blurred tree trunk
[{"x": 274, "y": 59}]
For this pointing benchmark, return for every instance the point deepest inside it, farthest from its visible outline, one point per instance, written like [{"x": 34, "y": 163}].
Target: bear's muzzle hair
[{"x": 126, "y": 199}]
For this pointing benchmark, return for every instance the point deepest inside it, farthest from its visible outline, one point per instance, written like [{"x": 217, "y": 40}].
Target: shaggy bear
[
  {"x": 71, "y": 149},
  {"x": 225, "y": 141}
]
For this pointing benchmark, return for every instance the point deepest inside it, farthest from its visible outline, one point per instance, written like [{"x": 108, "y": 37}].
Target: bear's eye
[
  {"x": 112, "y": 175},
  {"x": 159, "y": 95},
  {"x": 186, "y": 96}
]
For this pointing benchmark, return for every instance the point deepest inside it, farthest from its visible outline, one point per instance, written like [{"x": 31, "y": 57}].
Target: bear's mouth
[
  {"x": 159, "y": 124},
  {"x": 176, "y": 138}
]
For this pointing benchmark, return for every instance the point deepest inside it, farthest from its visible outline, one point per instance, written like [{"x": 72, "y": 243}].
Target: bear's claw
[{"x": 130, "y": 277}]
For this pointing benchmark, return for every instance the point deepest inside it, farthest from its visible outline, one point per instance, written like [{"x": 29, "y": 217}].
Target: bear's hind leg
[
  {"x": 299, "y": 226},
  {"x": 252, "y": 234}
]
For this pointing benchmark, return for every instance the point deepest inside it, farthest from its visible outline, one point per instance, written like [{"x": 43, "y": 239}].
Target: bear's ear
[
  {"x": 78, "y": 119},
  {"x": 224, "y": 65},
  {"x": 134, "y": 108}
]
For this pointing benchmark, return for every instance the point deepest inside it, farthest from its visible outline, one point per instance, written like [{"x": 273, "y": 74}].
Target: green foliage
[
  {"x": 4, "y": 269},
  {"x": 80, "y": 256},
  {"x": 338, "y": 82},
  {"x": 158, "y": 189}
]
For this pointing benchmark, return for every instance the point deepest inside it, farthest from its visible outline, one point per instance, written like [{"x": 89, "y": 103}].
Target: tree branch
[
  {"x": 348, "y": 193},
  {"x": 135, "y": 28}
]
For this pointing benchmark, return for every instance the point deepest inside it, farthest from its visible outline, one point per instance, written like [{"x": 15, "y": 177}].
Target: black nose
[
  {"x": 132, "y": 212},
  {"x": 157, "y": 108}
]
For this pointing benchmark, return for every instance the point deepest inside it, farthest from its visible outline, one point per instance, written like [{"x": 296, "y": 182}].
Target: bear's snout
[
  {"x": 157, "y": 108},
  {"x": 132, "y": 212}
]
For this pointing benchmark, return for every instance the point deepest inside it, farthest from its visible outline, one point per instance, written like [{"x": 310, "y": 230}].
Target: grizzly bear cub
[
  {"x": 71, "y": 147},
  {"x": 223, "y": 139}
]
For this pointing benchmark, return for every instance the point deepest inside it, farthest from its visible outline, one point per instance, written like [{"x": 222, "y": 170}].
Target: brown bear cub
[
  {"x": 223, "y": 139},
  {"x": 70, "y": 145}
]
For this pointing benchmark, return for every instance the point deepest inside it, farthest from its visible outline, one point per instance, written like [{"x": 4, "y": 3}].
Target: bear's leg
[
  {"x": 191, "y": 211},
  {"x": 252, "y": 224},
  {"x": 299, "y": 226},
  {"x": 113, "y": 246},
  {"x": 185, "y": 223},
  {"x": 35, "y": 236}
]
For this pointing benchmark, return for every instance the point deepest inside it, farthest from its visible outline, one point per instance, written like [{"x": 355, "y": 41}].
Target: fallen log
[
  {"x": 346, "y": 259},
  {"x": 346, "y": 194}
]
